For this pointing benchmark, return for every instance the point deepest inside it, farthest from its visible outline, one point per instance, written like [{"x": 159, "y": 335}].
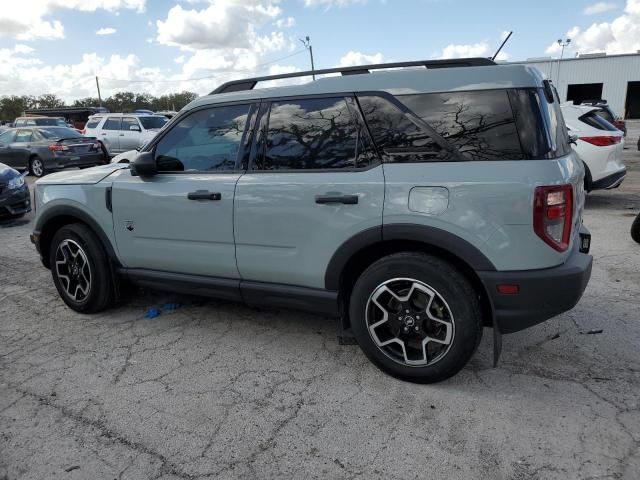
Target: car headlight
[{"x": 16, "y": 182}]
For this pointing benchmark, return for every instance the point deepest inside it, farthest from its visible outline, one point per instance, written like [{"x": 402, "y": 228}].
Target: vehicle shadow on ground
[
  {"x": 612, "y": 201},
  {"x": 13, "y": 222}
]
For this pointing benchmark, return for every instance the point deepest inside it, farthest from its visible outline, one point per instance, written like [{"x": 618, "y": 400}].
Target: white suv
[{"x": 120, "y": 132}]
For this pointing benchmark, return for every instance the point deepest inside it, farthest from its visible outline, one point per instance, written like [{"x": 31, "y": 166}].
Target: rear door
[
  {"x": 314, "y": 184},
  {"x": 6, "y": 139},
  {"x": 110, "y": 134},
  {"x": 129, "y": 134}
]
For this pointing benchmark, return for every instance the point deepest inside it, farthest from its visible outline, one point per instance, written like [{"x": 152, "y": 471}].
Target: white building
[{"x": 615, "y": 78}]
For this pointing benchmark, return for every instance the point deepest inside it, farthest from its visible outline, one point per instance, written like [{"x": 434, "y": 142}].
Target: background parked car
[
  {"x": 15, "y": 200},
  {"x": 605, "y": 111},
  {"x": 599, "y": 144},
  {"x": 120, "y": 132},
  {"x": 46, "y": 149},
  {"x": 40, "y": 122}
]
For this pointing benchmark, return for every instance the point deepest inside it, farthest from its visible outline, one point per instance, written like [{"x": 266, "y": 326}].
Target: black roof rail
[{"x": 250, "y": 83}]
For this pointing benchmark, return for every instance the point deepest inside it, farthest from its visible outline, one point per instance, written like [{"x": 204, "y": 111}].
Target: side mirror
[
  {"x": 144, "y": 165},
  {"x": 134, "y": 128}
]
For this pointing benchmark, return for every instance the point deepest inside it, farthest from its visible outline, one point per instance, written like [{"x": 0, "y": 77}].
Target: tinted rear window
[
  {"x": 150, "y": 123},
  {"x": 479, "y": 124},
  {"x": 310, "y": 134},
  {"x": 93, "y": 122},
  {"x": 596, "y": 121}
]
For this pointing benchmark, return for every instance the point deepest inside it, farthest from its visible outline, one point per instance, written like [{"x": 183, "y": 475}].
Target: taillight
[
  {"x": 552, "y": 215},
  {"x": 601, "y": 141},
  {"x": 56, "y": 147}
]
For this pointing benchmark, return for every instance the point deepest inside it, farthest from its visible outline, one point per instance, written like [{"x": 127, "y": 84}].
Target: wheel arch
[
  {"x": 55, "y": 218},
  {"x": 363, "y": 249}
]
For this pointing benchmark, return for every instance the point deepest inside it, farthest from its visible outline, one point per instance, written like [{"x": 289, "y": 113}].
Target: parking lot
[{"x": 211, "y": 389}]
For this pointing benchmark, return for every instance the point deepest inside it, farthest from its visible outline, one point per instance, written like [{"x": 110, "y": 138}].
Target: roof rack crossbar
[{"x": 250, "y": 83}]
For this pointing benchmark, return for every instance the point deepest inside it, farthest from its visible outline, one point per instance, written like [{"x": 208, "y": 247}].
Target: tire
[
  {"x": 588, "y": 181},
  {"x": 454, "y": 302},
  {"x": 635, "y": 229},
  {"x": 36, "y": 167},
  {"x": 87, "y": 287}
]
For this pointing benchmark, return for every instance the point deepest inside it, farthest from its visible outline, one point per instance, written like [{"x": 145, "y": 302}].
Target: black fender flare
[
  {"x": 425, "y": 234},
  {"x": 53, "y": 213}
]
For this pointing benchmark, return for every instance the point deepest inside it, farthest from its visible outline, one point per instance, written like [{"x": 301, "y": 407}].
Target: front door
[
  {"x": 315, "y": 184},
  {"x": 129, "y": 134},
  {"x": 110, "y": 134},
  {"x": 181, "y": 219}
]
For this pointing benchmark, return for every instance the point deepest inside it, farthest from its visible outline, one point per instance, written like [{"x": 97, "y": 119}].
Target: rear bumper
[
  {"x": 542, "y": 293},
  {"x": 610, "y": 181}
]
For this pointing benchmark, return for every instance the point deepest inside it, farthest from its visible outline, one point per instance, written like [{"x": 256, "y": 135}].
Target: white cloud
[
  {"x": 27, "y": 19},
  {"x": 106, "y": 31},
  {"x": 332, "y": 3},
  {"x": 352, "y": 59},
  {"x": 224, "y": 23},
  {"x": 286, "y": 22},
  {"x": 179, "y": 59},
  {"x": 621, "y": 35},
  {"x": 599, "y": 7},
  {"x": 465, "y": 50}
]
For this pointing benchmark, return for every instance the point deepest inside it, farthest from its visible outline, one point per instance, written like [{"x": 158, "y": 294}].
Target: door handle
[
  {"x": 344, "y": 199},
  {"x": 204, "y": 195}
]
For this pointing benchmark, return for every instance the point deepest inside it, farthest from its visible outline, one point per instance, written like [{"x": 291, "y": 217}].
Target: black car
[
  {"x": 43, "y": 150},
  {"x": 14, "y": 193}
]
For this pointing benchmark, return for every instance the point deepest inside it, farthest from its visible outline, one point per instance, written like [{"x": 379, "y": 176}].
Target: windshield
[
  {"x": 153, "y": 122},
  {"x": 59, "y": 132}
]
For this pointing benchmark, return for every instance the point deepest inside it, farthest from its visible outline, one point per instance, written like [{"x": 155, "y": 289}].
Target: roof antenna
[{"x": 505, "y": 41}]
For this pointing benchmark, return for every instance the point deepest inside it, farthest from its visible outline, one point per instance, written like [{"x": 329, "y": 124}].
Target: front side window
[
  {"x": 208, "y": 140},
  {"x": 479, "y": 124},
  {"x": 308, "y": 134},
  {"x": 112, "y": 124},
  {"x": 128, "y": 122}
]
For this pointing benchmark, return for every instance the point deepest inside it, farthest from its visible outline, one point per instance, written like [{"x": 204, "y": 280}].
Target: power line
[{"x": 260, "y": 65}]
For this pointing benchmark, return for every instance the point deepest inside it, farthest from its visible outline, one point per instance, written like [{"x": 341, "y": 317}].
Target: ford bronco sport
[{"x": 418, "y": 204}]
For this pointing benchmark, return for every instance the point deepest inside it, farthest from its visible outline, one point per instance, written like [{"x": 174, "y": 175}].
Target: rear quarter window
[
  {"x": 93, "y": 122},
  {"x": 479, "y": 124}
]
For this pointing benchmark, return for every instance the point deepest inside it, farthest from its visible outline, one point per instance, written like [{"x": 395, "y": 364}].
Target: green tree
[{"x": 49, "y": 100}]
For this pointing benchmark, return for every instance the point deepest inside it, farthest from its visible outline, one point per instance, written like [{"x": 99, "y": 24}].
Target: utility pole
[
  {"x": 99, "y": 96},
  {"x": 307, "y": 44},
  {"x": 563, "y": 45}
]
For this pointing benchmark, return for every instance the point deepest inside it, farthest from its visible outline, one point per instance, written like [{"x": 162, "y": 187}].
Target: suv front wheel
[
  {"x": 80, "y": 269},
  {"x": 416, "y": 317}
]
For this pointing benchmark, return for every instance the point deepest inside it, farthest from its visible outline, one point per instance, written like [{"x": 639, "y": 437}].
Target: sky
[{"x": 164, "y": 46}]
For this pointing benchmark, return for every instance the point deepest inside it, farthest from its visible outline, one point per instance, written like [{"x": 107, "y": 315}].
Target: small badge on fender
[{"x": 128, "y": 224}]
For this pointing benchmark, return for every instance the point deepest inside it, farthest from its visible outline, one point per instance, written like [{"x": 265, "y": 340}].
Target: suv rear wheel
[
  {"x": 416, "y": 317},
  {"x": 80, "y": 269}
]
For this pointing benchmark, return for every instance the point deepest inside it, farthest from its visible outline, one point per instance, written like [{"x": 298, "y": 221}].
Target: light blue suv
[{"x": 418, "y": 204}]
